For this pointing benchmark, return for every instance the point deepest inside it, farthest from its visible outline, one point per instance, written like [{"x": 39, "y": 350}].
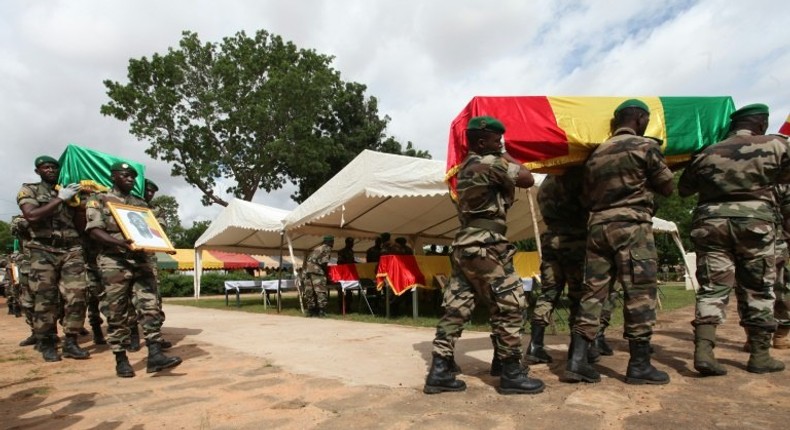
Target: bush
[{"x": 177, "y": 285}]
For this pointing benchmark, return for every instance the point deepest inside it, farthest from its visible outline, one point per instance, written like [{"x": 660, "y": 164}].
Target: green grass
[{"x": 673, "y": 296}]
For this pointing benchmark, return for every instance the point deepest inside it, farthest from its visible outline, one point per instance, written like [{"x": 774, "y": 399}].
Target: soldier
[
  {"x": 373, "y": 253},
  {"x": 57, "y": 265},
  {"x": 782, "y": 289},
  {"x": 95, "y": 288},
  {"x": 734, "y": 235},
  {"x": 314, "y": 268},
  {"x": 346, "y": 255},
  {"x": 20, "y": 230},
  {"x": 127, "y": 275},
  {"x": 621, "y": 178},
  {"x": 388, "y": 247},
  {"x": 482, "y": 263}
]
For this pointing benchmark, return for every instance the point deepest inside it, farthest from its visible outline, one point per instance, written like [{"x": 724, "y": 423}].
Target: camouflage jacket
[
  {"x": 54, "y": 233},
  {"x": 620, "y": 176},
  {"x": 98, "y": 214},
  {"x": 736, "y": 177},
  {"x": 559, "y": 200},
  {"x": 486, "y": 186},
  {"x": 316, "y": 262}
]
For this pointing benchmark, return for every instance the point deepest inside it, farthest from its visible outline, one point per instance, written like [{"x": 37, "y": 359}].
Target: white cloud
[{"x": 423, "y": 60}]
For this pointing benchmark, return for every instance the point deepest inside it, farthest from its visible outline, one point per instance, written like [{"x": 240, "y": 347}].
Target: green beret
[
  {"x": 121, "y": 165},
  {"x": 632, "y": 103},
  {"x": 329, "y": 238},
  {"x": 487, "y": 123},
  {"x": 44, "y": 159},
  {"x": 151, "y": 184},
  {"x": 748, "y": 110}
]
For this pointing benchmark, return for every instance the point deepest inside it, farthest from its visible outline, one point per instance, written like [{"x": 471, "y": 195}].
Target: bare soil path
[{"x": 251, "y": 371}]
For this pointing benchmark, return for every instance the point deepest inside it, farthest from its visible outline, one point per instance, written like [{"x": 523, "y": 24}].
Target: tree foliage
[
  {"x": 186, "y": 237},
  {"x": 678, "y": 210},
  {"x": 255, "y": 112},
  {"x": 6, "y": 238},
  {"x": 167, "y": 209}
]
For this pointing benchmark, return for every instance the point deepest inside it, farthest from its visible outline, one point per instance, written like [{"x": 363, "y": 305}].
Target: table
[
  {"x": 266, "y": 288},
  {"x": 238, "y": 286}
]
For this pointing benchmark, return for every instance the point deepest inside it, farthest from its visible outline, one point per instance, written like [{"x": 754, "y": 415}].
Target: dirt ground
[{"x": 250, "y": 371}]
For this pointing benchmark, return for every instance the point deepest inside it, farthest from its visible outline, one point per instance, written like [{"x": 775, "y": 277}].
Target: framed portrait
[{"x": 140, "y": 225}]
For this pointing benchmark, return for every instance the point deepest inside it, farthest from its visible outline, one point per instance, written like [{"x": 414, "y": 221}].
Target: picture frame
[{"x": 140, "y": 225}]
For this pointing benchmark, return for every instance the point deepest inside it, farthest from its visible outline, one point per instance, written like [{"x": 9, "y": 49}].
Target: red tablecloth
[
  {"x": 343, "y": 272},
  {"x": 400, "y": 271}
]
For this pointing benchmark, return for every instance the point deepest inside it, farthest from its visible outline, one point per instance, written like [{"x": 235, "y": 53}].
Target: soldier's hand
[
  {"x": 68, "y": 191},
  {"x": 128, "y": 244}
]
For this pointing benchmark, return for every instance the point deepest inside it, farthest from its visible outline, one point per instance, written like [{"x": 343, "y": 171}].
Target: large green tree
[
  {"x": 186, "y": 237},
  {"x": 167, "y": 208},
  {"x": 6, "y": 239},
  {"x": 255, "y": 112}
]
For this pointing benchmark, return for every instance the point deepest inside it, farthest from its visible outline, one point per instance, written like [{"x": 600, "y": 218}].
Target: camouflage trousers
[
  {"x": 782, "y": 288},
  {"x": 483, "y": 275},
  {"x": 625, "y": 252},
  {"x": 26, "y": 297},
  {"x": 562, "y": 261},
  {"x": 129, "y": 288},
  {"x": 735, "y": 253},
  {"x": 95, "y": 287},
  {"x": 316, "y": 293},
  {"x": 52, "y": 276}
]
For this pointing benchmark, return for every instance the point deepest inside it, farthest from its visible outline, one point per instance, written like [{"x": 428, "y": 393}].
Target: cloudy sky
[{"x": 423, "y": 60}]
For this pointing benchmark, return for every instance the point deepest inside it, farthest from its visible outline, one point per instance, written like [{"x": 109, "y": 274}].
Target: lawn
[{"x": 673, "y": 296}]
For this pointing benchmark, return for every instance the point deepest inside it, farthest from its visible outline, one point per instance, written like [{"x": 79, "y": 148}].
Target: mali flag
[
  {"x": 548, "y": 134},
  {"x": 91, "y": 169},
  {"x": 785, "y": 128}
]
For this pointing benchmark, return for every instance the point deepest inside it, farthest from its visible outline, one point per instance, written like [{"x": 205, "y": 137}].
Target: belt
[
  {"x": 488, "y": 224},
  {"x": 57, "y": 242}
]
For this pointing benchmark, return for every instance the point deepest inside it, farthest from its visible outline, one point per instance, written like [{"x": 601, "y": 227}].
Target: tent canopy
[
  {"x": 245, "y": 227},
  {"x": 405, "y": 196}
]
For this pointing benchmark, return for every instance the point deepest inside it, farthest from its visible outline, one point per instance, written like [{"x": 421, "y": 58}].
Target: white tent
[{"x": 405, "y": 196}]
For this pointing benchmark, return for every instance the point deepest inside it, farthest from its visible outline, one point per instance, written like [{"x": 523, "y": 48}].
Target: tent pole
[
  {"x": 293, "y": 267},
  {"x": 280, "y": 275},
  {"x": 534, "y": 222},
  {"x": 198, "y": 272}
]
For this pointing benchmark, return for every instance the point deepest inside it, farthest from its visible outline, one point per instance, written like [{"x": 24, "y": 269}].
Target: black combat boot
[
  {"x": 98, "y": 336},
  {"x": 158, "y": 361},
  {"x": 536, "y": 351},
  {"x": 321, "y": 313},
  {"x": 84, "y": 331},
  {"x": 496, "y": 363},
  {"x": 122, "y": 367},
  {"x": 593, "y": 355},
  {"x": 134, "y": 339},
  {"x": 601, "y": 345},
  {"x": 440, "y": 378},
  {"x": 578, "y": 369},
  {"x": 48, "y": 349},
  {"x": 760, "y": 360},
  {"x": 704, "y": 361},
  {"x": 640, "y": 371},
  {"x": 166, "y": 344},
  {"x": 72, "y": 350},
  {"x": 30, "y": 340},
  {"x": 17, "y": 310},
  {"x": 514, "y": 379}
]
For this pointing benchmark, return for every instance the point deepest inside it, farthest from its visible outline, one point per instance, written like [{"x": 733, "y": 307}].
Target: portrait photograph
[{"x": 140, "y": 225}]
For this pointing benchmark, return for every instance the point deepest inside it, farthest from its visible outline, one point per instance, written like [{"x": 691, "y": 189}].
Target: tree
[
  {"x": 255, "y": 110},
  {"x": 678, "y": 210},
  {"x": 6, "y": 239},
  {"x": 167, "y": 208},
  {"x": 187, "y": 237}
]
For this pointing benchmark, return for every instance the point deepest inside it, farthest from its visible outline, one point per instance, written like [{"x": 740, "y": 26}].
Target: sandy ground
[{"x": 251, "y": 371}]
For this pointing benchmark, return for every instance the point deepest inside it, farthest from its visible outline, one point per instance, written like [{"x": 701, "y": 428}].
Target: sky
[{"x": 423, "y": 60}]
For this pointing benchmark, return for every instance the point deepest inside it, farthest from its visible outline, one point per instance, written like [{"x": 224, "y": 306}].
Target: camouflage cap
[
  {"x": 748, "y": 110},
  {"x": 122, "y": 166},
  {"x": 632, "y": 103},
  {"x": 44, "y": 159},
  {"x": 487, "y": 123},
  {"x": 151, "y": 184}
]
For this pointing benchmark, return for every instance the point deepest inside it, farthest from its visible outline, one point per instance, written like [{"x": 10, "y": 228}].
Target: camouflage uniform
[
  {"x": 57, "y": 265},
  {"x": 315, "y": 291},
  {"x": 20, "y": 229},
  {"x": 782, "y": 289},
  {"x": 482, "y": 259},
  {"x": 734, "y": 225},
  {"x": 128, "y": 276},
  {"x": 93, "y": 277},
  {"x": 619, "y": 180},
  {"x": 562, "y": 244},
  {"x": 11, "y": 288}
]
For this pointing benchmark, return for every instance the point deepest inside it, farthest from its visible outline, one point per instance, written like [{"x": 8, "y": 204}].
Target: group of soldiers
[
  {"x": 599, "y": 234},
  {"x": 314, "y": 276},
  {"x": 72, "y": 262}
]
